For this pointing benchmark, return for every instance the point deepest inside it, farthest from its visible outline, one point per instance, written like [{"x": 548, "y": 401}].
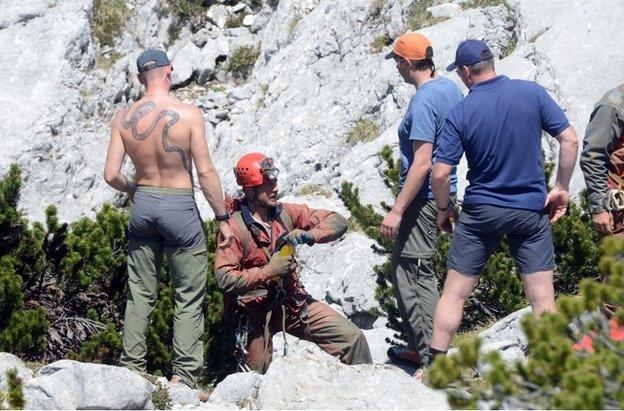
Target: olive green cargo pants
[
  {"x": 413, "y": 275},
  {"x": 188, "y": 272}
]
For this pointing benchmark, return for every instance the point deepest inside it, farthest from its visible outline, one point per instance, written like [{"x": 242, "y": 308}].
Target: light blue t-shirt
[{"x": 424, "y": 121}]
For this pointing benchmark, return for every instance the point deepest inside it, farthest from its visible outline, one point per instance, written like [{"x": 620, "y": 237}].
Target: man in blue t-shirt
[
  {"x": 411, "y": 222},
  {"x": 499, "y": 127}
]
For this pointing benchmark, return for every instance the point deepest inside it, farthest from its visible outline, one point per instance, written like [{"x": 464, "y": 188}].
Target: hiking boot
[
  {"x": 201, "y": 394},
  {"x": 404, "y": 356}
]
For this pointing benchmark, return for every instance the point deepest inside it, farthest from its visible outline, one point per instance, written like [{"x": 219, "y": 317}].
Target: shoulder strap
[
  {"x": 245, "y": 233},
  {"x": 286, "y": 219}
]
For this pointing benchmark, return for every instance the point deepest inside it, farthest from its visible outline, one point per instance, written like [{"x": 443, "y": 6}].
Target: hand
[
  {"x": 390, "y": 225},
  {"x": 280, "y": 265},
  {"x": 557, "y": 203},
  {"x": 603, "y": 222},
  {"x": 445, "y": 219},
  {"x": 225, "y": 235},
  {"x": 297, "y": 237}
]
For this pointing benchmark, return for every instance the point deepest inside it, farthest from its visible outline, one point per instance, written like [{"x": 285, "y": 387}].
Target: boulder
[
  {"x": 185, "y": 63},
  {"x": 339, "y": 386},
  {"x": 11, "y": 362},
  {"x": 445, "y": 10},
  {"x": 70, "y": 384},
  {"x": 507, "y": 337},
  {"x": 240, "y": 389}
]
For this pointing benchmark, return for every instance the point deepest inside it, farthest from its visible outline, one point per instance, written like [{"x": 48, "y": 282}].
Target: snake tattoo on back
[{"x": 143, "y": 110}]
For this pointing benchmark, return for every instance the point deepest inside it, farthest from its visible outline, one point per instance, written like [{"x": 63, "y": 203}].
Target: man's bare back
[
  {"x": 157, "y": 133},
  {"x": 164, "y": 138}
]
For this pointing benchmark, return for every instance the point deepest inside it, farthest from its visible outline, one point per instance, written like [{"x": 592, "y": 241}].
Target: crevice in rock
[{"x": 23, "y": 19}]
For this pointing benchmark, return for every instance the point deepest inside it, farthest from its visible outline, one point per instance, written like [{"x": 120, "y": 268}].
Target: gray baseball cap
[{"x": 150, "y": 59}]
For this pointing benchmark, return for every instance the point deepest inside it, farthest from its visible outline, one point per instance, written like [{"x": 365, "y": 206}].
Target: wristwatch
[
  {"x": 450, "y": 205},
  {"x": 222, "y": 217}
]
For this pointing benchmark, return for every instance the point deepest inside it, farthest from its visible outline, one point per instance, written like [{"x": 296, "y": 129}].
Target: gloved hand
[
  {"x": 280, "y": 265},
  {"x": 297, "y": 236}
]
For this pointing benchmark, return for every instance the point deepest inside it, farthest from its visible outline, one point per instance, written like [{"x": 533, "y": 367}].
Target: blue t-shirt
[
  {"x": 499, "y": 127},
  {"x": 424, "y": 121}
]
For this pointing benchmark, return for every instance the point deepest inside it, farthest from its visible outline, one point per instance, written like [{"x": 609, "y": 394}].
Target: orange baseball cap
[{"x": 411, "y": 46}]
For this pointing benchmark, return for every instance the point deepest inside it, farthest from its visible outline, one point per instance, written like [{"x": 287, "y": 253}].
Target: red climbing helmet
[{"x": 255, "y": 169}]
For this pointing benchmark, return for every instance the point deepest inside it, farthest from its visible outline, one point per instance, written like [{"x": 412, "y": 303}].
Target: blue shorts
[{"x": 480, "y": 228}]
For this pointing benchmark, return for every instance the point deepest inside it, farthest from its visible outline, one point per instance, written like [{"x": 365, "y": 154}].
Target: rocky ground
[
  {"x": 320, "y": 72},
  {"x": 307, "y": 378}
]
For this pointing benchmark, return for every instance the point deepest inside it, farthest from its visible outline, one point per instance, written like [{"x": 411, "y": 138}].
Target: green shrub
[
  {"x": 292, "y": 25},
  {"x": 14, "y": 395},
  {"x": 418, "y": 17},
  {"x": 161, "y": 399},
  {"x": 25, "y": 333},
  {"x": 11, "y": 296},
  {"x": 108, "y": 18},
  {"x": 103, "y": 347},
  {"x": 96, "y": 256},
  {"x": 190, "y": 12},
  {"x": 380, "y": 42},
  {"x": 473, "y": 4},
  {"x": 555, "y": 374},
  {"x": 363, "y": 131},
  {"x": 234, "y": 20},
  {"x": 377, "y": 7},
  {"x": 242, "y": 60}
]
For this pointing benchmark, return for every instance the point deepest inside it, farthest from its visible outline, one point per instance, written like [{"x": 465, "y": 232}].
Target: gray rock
[
  {"x": 507, "y": 337},
  {"x": 344, "y": 387},
  {"x": 182, "y": 395},
  {"x": 445, "y": 10},
  {"x": 69, "y": 384},
  {"x": 249, "y": 20},
  {"x": 238, "y": 8},
  {"x": 239, "y": 388},
  {"x": 342, "y": 272},
  {"x": 185, "y": 63},
  {"x": 217, "y": 15},
  {"x": 9, "y": 362}
]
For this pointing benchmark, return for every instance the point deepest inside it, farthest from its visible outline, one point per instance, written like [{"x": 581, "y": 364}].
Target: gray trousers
[
  {"x": 163, "y": 222},
  {"x": 413, "y": 276}
]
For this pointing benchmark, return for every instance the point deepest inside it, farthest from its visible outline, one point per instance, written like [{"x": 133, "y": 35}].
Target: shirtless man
[{"x": 163, "y": 138}]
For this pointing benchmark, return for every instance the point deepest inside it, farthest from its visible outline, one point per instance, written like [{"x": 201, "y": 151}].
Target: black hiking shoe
[{"x": 404, "y": 356}]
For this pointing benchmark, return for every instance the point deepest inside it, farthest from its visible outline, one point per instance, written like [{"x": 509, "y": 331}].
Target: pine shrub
[
  {"x": 556, "y": 374},
  {"x": 63, "y": 289},
  {"x": 14, "y": 396}
]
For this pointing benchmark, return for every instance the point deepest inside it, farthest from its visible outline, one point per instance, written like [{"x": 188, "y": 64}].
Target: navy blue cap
[
  {"x": 470, "y": 52},
  {"x": 150, "y": 59}
]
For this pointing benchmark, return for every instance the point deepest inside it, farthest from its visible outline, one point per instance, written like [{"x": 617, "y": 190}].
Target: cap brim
[
  {"x": 451, "y": 67},
  {"x": 390, "y": 55}
]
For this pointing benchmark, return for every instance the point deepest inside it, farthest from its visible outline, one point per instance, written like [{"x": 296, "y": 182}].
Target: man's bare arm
[
  {"x": 114, "y": 162},
  {"x": 441, "y": 188},
  {"x": 568, "y": 149},
  {"x": 207, "y": 174},
  {"x": 557, "y": 199}
]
